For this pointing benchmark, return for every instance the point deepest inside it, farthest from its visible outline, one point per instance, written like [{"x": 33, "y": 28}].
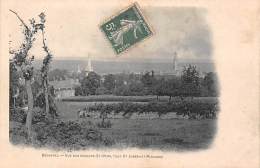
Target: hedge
[{"x": 190, "y": 108}]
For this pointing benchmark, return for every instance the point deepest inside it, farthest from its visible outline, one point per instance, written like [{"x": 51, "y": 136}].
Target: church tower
[
  {"x": 89, "y": 67},
  {"x": 175, "y": 63},
  {"x": 79, "y": 70}
]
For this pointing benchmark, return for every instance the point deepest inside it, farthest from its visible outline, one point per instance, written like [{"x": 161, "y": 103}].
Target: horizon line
[{"x": 129, "y": 60}]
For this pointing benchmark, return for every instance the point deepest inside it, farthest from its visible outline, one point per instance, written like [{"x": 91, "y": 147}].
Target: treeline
[{"x": 188, "y": 84}]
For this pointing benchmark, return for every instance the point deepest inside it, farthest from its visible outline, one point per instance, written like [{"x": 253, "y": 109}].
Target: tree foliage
[
  {"x": 210, "y": 83},
  {"x": 148, "y": 79},
  {"x": 190, "y": 82},
  {"x": 23, "y": 61},
  {"x": 45, "y": 66},
  {"x": 14, "y": 82},
  {"x": 90, "y": 83},
  {"x": 110, "y": 82}
]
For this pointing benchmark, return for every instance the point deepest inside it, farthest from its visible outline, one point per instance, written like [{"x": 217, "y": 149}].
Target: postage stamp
[{"x": 126, "y": 29}]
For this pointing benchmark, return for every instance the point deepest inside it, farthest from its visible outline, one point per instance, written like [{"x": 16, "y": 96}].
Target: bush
[
  {"x": 40, "y": 103},
  {"x": 72, "y": 135},
  {"x": 78, "y": 91},
  {"x": 39, "y": 115},
  {"x": 17, "y": 115},
  {"x": 187, "y": 107},
  {"x": 122, "y": 91},
  {"x": 102, "y": 91},
  {"x": 104, "y": 124}
]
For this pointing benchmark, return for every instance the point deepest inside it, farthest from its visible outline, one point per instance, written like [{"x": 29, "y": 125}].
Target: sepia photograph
[
  {"x": 163, "y": 96},
  {"x": 143, "y": 83}
]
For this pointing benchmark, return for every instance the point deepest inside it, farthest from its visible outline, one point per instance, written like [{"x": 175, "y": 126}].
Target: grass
[
  {"x": 171, "y": 134},
  {"x": 162, "y": 134}
]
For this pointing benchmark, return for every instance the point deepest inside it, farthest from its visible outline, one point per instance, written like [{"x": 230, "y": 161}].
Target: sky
[{"x": 73, "y": 33}]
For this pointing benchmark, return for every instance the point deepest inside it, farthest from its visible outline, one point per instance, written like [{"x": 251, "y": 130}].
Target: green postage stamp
[{"x": 126, "y": 28}]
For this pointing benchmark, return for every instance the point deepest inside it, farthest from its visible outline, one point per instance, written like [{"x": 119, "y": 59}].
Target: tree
[
  {"x": 159, "y": 88},
  {"x": 78, "y": 91},
  {"x": 45, "y": 66},
  {"x": 14, "y": 82},
  {"x": 190, "y": 81},
  {"x": 172, "y": 87},
  {"x": 119, "y": 81},
  {"x": 109, "y": 82},
  {"x": 90, "y": 83},
  {"x": 210, "y": 83},
  {"x": 102, "y": 91},
  {"x": 23, "y": 61},
  {"x": 148, "y": 79},
  {"x": 136, "y": 87},
  {"x": 122, "y": 90}
]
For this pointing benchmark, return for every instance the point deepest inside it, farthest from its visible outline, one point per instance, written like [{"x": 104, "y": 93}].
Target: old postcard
[{"x": 129, "y": 83}]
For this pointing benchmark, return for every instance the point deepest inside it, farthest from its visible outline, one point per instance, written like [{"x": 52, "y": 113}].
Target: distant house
[{"x": 64, "y": 88}]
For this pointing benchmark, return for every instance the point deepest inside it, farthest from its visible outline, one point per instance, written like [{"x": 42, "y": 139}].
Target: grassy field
[
  {"x": 173, "y": 134},
  {"x": 161, "y": 134}
]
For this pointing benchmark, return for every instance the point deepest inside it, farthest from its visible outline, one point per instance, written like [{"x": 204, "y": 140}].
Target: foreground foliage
[{"x": 70, "y": 135}]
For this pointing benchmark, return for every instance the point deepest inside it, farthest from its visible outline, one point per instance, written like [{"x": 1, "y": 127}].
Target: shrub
[
  {"x": 122, "y": 91},
  {"x": 187, "y": 107},
  {"x": 17, "y": 115},
  {"x": 78, "y": 91},
  {"x": 39, "y": 115},
  {"x": 70, "y": 134},
  {"x": 102, "y": 91},
  {"x": 104, "y": 124}
]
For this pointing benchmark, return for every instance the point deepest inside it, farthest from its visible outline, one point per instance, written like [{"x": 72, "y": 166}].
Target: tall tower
[
  {"x": 79, "y": 70},
  {"x": 89, "y": 67},
  {"x": 175, "y": 63}
]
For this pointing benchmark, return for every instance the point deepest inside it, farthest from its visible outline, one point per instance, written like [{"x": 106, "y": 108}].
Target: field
[
  {"x": 172, "y": 134},
  {"x": 74, "y": 133},
  {"x": 161, "y": 134}
]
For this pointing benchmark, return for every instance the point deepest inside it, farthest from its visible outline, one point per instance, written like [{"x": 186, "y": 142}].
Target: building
[
  {"x": 64, "y": 88},
  {"x": 176, "y": 70},
  {"x": 175, "y": 64},
  {"x": 89, "y": 67},
  {"x": 79, "y": 70}
]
